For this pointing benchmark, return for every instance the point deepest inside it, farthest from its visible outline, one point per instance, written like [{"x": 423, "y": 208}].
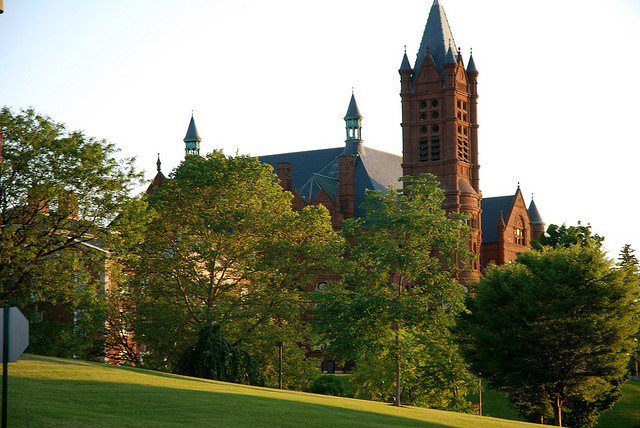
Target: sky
[{"x": 559, "y": 93}]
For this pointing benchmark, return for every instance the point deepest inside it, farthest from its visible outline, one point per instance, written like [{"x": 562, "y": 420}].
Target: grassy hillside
[{"x": 69, "y": 393}]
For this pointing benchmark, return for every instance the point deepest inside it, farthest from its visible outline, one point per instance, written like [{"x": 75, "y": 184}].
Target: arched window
[{"x": 518, "y": 231}]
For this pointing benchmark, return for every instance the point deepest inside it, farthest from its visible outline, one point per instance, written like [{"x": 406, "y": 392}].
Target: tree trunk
[
  {"x": 557, "y": 412},
  {"x": 396, "y": 401}
]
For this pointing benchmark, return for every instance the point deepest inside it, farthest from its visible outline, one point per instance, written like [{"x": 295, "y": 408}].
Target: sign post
[{"x": 14, "y": 330}]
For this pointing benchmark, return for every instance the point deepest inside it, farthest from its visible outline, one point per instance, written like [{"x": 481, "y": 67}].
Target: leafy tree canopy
[
  {"x": 223, "y": 245},
  {"x": 213, "y": 357},
  {"x": 552, "y": 330},
  {"x": 58, "y": 192},
  {"x": 565, "y": 236},
  {"x": 398, "y": 293}
]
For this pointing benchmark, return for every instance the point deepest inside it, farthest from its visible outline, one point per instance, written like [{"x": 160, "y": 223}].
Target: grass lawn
[
  {"x": 624, "y": 414},
  {"x": 70, "y": 393}
]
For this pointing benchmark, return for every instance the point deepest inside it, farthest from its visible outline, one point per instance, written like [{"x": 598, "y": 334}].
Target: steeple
[
  {"x": 471, "y": 67},
  {"x": 406, "y": 65},
  {"x": 192, "y": 139},
  {"x": 537, "y": 224},
  {"x": 439, "y": 128},
  {"x": 437, "y": 37},
  {"x": 353, "y": 120},
  {"x": 157, "y": 180}
]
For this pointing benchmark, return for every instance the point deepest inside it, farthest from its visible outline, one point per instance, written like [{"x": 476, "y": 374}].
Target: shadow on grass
[{"x": 69, "y": 403}]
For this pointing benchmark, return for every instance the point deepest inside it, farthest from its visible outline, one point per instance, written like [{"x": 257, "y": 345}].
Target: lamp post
[{"x": 280, "y": 345}]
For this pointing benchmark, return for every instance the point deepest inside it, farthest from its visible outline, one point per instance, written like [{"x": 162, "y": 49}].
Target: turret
[
  {"x": 537, "y": 224},
  {"x": 353, "y": 120},
  {"x": 192, "y": 139},
  {"x": 405, "y": 73}
]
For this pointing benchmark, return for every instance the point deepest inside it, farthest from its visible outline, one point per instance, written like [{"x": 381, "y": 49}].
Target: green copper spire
[
  {"x": 192, "y": 139},
  {"x": 353, "y": 120}
]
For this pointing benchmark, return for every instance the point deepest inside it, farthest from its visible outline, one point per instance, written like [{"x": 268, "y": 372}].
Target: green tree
[
  {"x": 552, "y": 330},
  {"x": 564, "y": 236},
  {"x": 628, "y": 260},
  {"x": 59, "y": 191},
  {"x": 398, "y": 294},
  {"x": 223, "y": 245},
  {"x": 213, "y": 357}
]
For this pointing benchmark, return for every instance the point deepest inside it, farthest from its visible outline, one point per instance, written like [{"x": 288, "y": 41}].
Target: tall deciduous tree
[
  {"x": 398, "y": 294},
  {"x": 223, "y": 245},
  {"x": 552, "y": 330},
  {"x": 58, "y": 192}
]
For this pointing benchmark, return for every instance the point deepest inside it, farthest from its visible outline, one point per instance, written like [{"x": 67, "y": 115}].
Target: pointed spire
[
  {"x": 352, "y": 111},
  {"x": 450, "y": 58},
  {"x": 157, "y": 180},
  {"x": 192, "y": 139},
  {"x": 406, "y": 65},
  {"x": 534, "y": 214},
  {"x": 353, "y": 120},
  {"x": 471, "y": 67},
  {"x": 437, "y": 36},
  {"x": 501, "y": 223}
]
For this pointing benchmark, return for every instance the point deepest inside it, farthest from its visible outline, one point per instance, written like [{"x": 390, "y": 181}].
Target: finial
[
  {"x": 471, "y": 51},
  {"x": 352, "y": 90},
  {"x": 518, "y": 185},
  {"x": 158, "y": 163},
  {"x": 405, "y": 49}
]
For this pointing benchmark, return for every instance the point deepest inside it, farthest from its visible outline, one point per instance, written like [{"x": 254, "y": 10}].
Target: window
[
  {"x": 463, "y": 150},
  {"x": 518, "y": 231},
  {"x": 424, "y": 149},
  {"x": 435, "y": 147}
]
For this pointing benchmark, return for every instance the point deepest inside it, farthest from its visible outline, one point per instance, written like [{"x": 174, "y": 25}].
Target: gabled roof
[
  {"x": 437, "y": 37},
  {"x": 157, "y": 180},
  {"x": 491, "y": 208},
  {"x": 316, "y": 170}
]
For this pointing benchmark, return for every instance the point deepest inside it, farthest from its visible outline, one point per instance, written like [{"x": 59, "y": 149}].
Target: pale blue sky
[{"x": 558, "y": 107}]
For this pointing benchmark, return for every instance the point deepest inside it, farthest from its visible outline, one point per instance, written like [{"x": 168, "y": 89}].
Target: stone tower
[{"x": 439, "y": 122}]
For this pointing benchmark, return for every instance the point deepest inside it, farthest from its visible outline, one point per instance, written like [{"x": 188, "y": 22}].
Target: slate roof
[
  {"x": 491, "y": 208},
  {"x": 314, "y": 170},
  {"x": 352, "y": 111},
  {"x": 192, "y": 133},
  {"x": 437, "y": 37},
  {"x": 471, "y": 67},
  {"x": 534, "y": 214}
]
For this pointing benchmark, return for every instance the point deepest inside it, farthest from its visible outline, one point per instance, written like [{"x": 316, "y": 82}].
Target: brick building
[{"x": 439, "y": 136}]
